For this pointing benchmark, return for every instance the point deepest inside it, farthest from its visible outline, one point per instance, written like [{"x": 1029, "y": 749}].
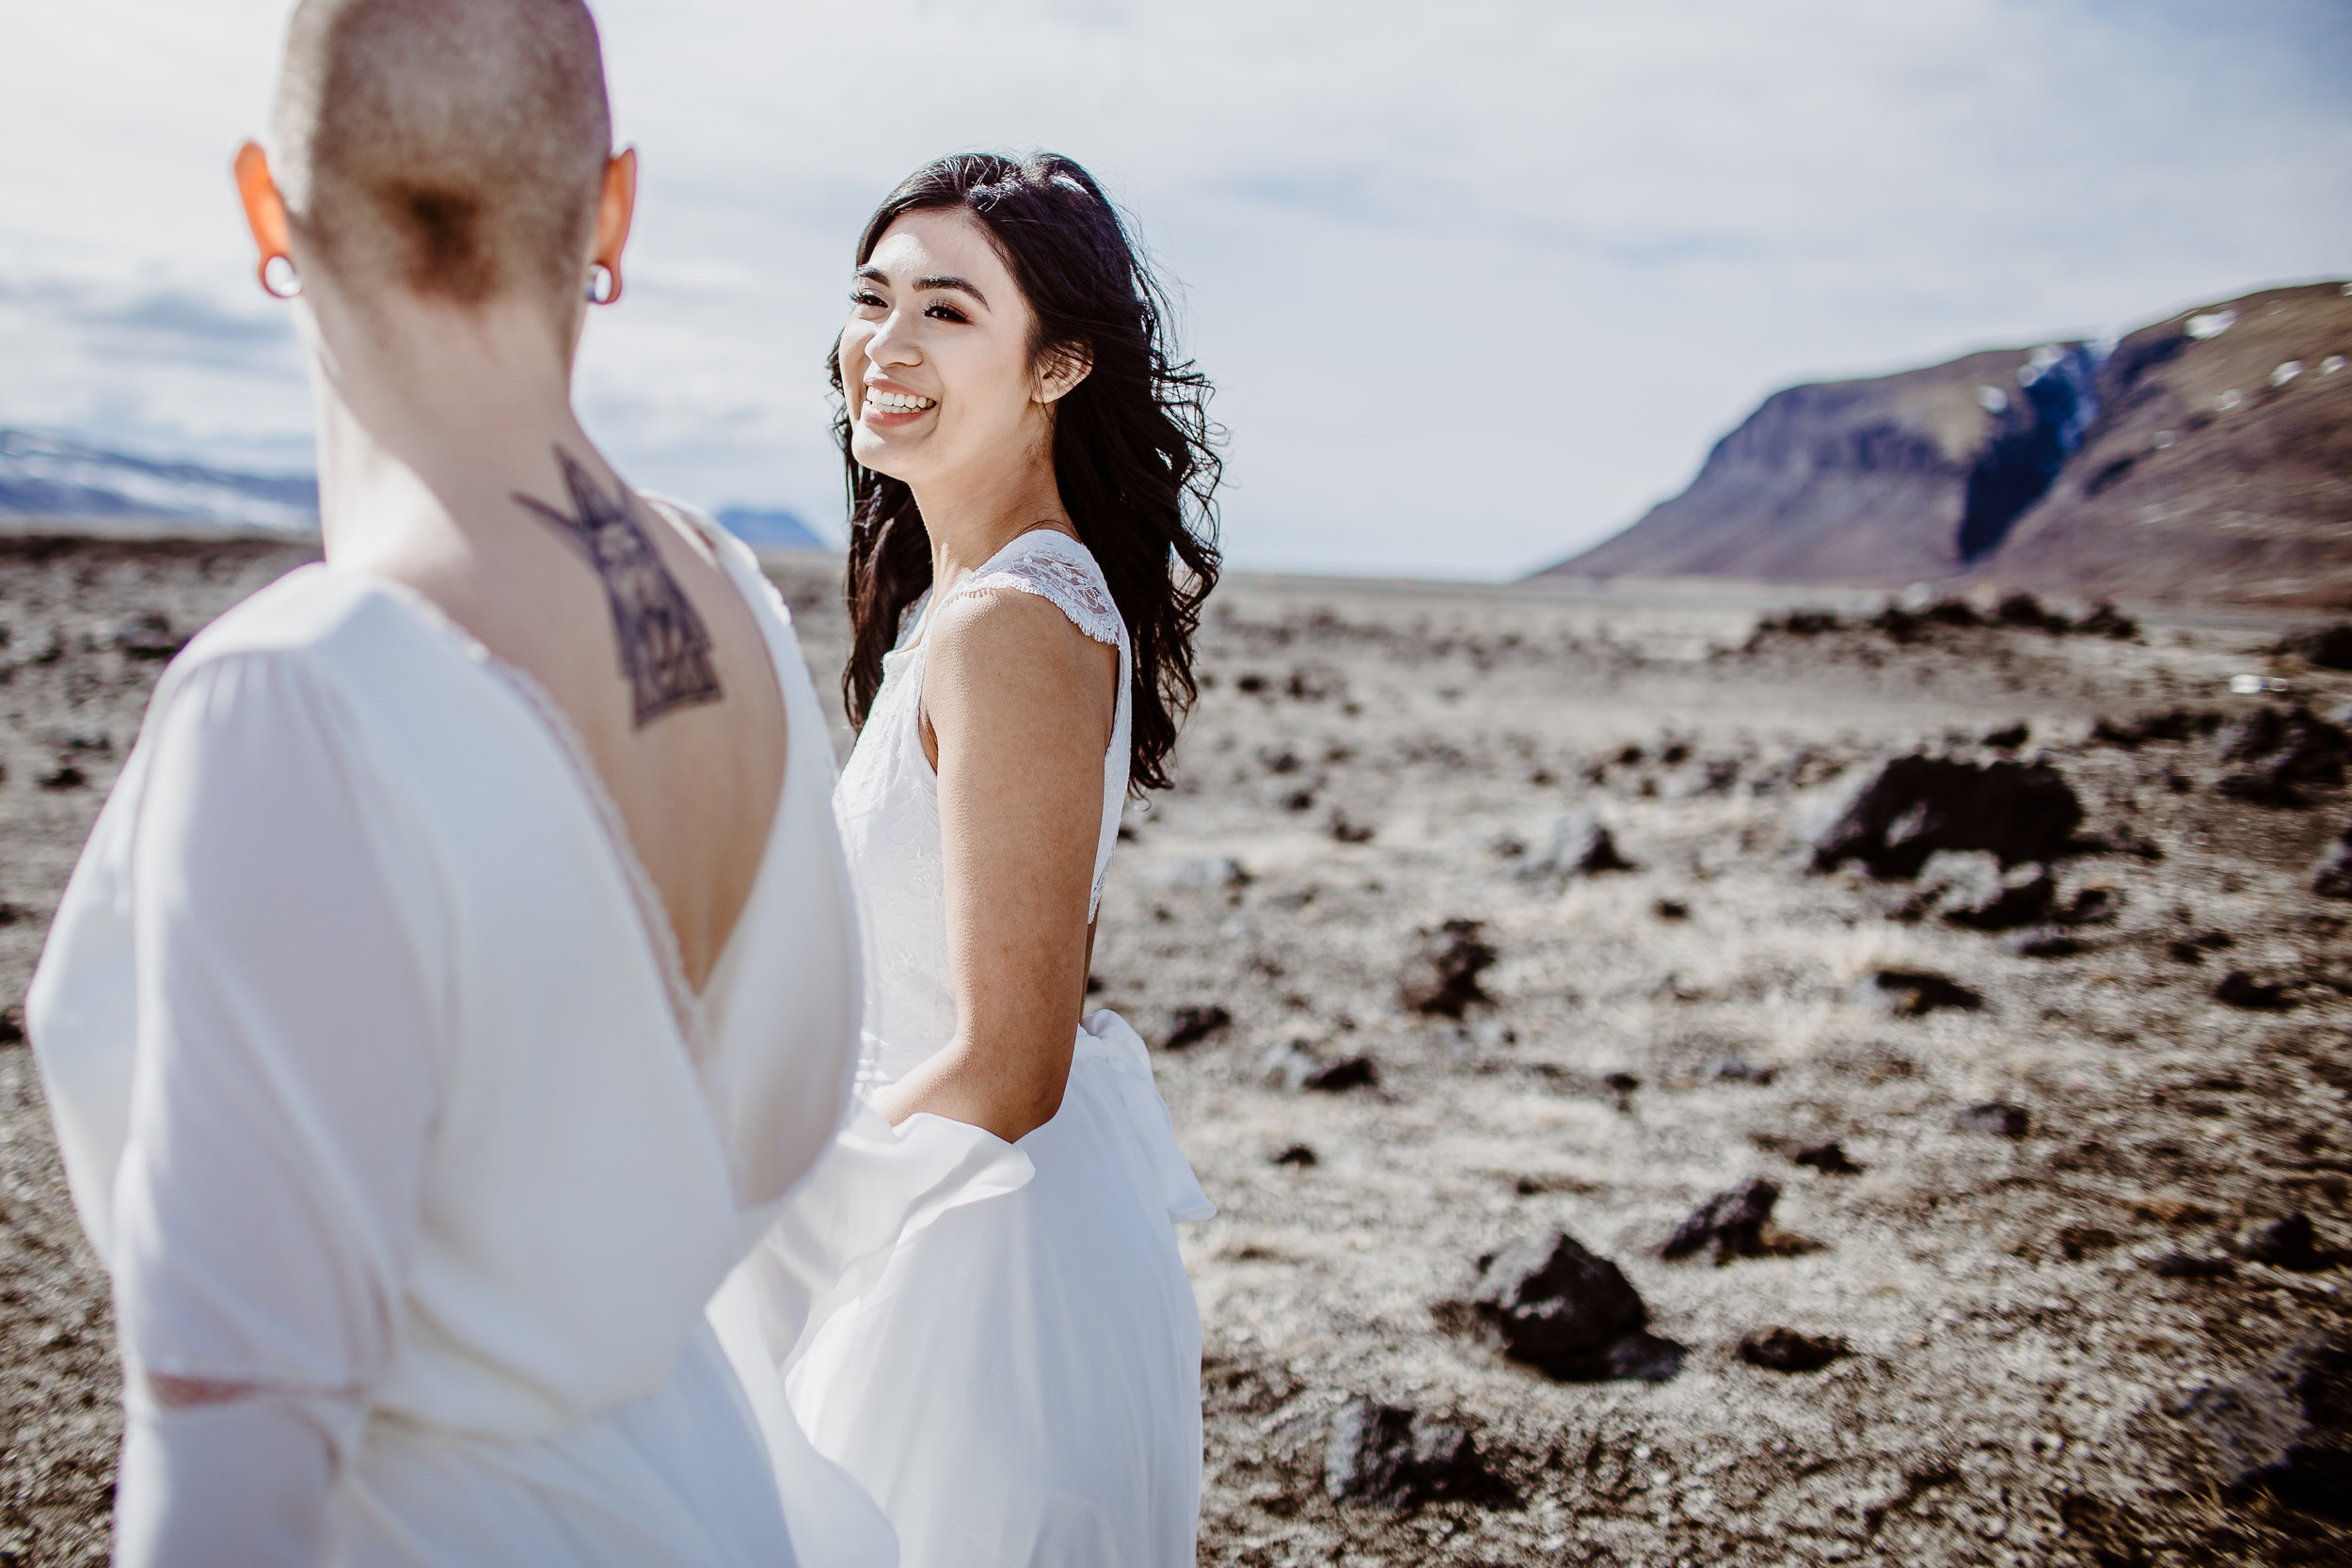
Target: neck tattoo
[{"x": 664, "y": 647}]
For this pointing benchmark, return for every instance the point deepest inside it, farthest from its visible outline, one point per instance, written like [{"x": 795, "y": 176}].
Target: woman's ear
[
  {"x": 265, "y": 209},
  {"x": 616, "y": 208},
  {"x": 1064, "y": 368}
]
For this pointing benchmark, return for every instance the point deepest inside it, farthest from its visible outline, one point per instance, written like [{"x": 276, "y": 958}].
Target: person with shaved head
[{"x": 463, "y": 969}]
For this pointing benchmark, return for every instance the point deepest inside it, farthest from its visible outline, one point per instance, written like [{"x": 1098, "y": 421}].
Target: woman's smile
[{"x": 890, "y": 406}]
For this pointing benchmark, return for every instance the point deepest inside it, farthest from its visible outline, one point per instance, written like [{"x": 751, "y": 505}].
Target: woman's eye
[
  {"x": 865, "y": 299},
  {"x": 946, "y": 313}
]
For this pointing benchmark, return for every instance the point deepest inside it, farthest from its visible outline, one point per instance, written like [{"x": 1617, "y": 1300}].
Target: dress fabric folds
[
  {"x": 998, "y": 1341},
  {"x": 383, "y": 1098}
]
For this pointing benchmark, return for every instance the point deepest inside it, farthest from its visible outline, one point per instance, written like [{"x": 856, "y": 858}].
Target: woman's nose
[{"x": 893, "y": 343}]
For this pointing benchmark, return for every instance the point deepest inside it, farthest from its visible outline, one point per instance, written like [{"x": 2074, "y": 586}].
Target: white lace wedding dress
[{"x": 998, "y": 1341}]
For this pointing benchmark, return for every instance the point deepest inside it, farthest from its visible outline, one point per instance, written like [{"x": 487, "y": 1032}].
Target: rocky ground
[{"x": 1485, "y": 928}]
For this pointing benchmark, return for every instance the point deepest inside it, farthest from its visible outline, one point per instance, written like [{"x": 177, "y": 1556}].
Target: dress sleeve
[{"x": 281, "y": 1109}]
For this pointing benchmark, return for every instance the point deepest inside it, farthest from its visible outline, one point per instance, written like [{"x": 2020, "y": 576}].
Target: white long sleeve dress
[
  {"x": 998, "y": 1341},
  {"x": 383, "y": 1098}
]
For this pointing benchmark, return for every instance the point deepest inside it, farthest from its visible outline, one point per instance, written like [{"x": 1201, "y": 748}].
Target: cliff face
[
  {"x": 2219, "y": 468},
  {"x": 2188, "y": 463}
]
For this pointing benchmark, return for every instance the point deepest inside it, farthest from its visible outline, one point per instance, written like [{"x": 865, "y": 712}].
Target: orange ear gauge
[
  {"x": 604, "y": 284},
  {"x": 292, "y": 287}
]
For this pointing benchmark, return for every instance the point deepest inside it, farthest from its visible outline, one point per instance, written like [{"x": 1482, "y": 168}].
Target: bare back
[{"x": 621, "y": 612}]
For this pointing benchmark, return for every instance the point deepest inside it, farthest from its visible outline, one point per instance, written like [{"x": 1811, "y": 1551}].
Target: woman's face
[{"x": 935, "y": 358}]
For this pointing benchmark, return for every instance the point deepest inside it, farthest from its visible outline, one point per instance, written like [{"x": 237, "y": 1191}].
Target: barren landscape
[{"x": 1498, "y": 942}]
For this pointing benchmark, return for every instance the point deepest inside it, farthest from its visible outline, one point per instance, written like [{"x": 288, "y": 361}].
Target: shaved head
[{"x": 455, "y": 147}]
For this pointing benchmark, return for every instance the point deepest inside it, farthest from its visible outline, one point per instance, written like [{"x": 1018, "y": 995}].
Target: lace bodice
[{"x": 887, "y": 802}]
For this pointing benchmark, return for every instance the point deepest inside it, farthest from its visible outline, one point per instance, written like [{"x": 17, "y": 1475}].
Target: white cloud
[{"x": 1477, "y": 280}]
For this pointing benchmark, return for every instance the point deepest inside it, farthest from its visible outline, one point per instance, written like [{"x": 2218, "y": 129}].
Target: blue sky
[{"x": 1478, "y": 280}]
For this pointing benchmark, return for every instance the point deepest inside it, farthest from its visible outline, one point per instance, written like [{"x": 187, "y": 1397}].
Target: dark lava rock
[
  {"x": 1968, "y": 887},
  {"x": 2332, "y": 877},
  {"x": 2192, "y": 950},
  {"x": 2024, "y": 610},
  {"x": 1299, "y": 799},
  {"x": 1829, "y": 1159},
  {"x": 1579, "y": 846},
  {"x": 1546, "y": 1301},
  {"x": 148, "y": 635},
  {"x": 1996, "y": 1116},
  {"x": 1384, "y": 1453},
  {"x": 1452, "y": 958},
  {"x": 11, "y": 1025},
  {"x": 1916, "y": 992},
  {"x": 1348, "y": 1073},
  {"x": 1349, "y": 832},
  {"x": 1298, "y": 1155},
  {"x": 2186, "y": 1265},
  {"x": 1189, "y": 1026},
  {"x": 2047, "y": 942},
  {"x": 2006, "y": 738},
  {"x": 2105, "y": 620},
  {"x": 1736, "y": 1068},
  {"x": 1918, "y": 804},
  {"x": 2286, "y": 1430},
  {"x": 2286, "y": 1244},
  {"x": 2287, "y": 752},
  {"x": 1785, "y": 1350},
  {"x": 64, "y": 774},
  {"x": 2241, "y": 989},
  {"x": 2175, "y": 724},
  {"x": 2329, "y": 647},
  {"x": 1671, "y": 909},
  {"x": 1728, "y": 1225}
]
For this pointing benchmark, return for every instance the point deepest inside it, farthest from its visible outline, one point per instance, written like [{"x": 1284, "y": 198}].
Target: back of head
[{"x": 451, "y": 147}]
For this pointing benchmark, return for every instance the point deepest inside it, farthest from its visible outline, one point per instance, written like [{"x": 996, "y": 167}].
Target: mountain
[
  {"x": 773, "y": 528},
  {"x": 51, "y": 475},
  {"x": 2205, "y": 457}
]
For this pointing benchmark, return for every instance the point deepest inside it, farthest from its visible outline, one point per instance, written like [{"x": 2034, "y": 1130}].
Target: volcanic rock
[
  {"x": 1297, "y": 1154},
  {"x": 1785, "y": 1350},
  {"x": 2186, "y": 1265},
  {"x": 1728, "y": 1225},
  {"x": 2286, "y": 1430},
  {"x": 1996, "y": 1116},
  {"x": 1189, "y": 1026},
  {"x": 2329, "y": 647},
  {"x": 1968, "y": 887},
  {"x": 2332, "y": 877},
  {"x": 1385, "y": 1454},
  {"x": 1579, "y": 846},
  {"x": 1918, "y": 804},
  {"x": 1916, "y": 992},
  {"x": 1347, "y": 1072},
  {"x": 2287, "y": 752},
  {"x": 148, "y": 635},
  {"x": 1830, "y": 1159},
  {"x": 1546, "y": 1301},
  {"x": 2174, "y": 724},
  {"x": 2241, "y": 989},
  {"x": 2285, "y": 1244},
  {"x": 1452, "y": 958}
]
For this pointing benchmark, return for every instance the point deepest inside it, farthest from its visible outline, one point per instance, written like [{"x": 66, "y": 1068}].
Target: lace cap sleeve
[{"x": 1056, "y": 567}]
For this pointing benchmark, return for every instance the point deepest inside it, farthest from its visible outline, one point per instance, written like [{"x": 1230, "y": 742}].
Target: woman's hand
[{"x": 1021, "y": 707}]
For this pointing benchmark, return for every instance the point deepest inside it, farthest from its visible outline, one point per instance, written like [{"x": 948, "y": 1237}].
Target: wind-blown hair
[{"x": 1133, "y": 450}]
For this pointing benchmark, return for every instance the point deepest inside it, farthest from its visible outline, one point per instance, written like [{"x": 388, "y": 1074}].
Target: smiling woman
[{"x": 1014, "y": 1373}]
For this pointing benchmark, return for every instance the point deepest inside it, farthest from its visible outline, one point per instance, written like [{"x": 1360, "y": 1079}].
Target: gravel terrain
[{"x": 2034, "y": 1305}]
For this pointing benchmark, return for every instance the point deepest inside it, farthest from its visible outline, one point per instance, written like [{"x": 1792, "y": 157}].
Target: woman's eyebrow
[{"x": 961, "y": 284}]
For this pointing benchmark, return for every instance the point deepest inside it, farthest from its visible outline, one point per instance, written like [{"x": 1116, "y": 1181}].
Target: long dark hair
[{"x": 1133, "y": 450}]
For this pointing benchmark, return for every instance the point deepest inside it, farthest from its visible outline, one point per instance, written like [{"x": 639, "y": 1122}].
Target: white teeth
[{"x": 898, "y": 402}]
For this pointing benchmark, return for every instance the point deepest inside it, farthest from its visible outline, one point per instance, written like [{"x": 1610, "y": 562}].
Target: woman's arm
[
  {"x": 282, "y": 1105},
  {"x": 1021, "y": 704}
]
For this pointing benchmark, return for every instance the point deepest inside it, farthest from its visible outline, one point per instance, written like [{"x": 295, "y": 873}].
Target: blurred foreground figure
[
  {"x": 1001, "y": 1343},
  {"x": 463, "y": 969}
]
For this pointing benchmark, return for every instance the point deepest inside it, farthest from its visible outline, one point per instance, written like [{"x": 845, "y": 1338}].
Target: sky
[{"x": 1478, "y": 280}]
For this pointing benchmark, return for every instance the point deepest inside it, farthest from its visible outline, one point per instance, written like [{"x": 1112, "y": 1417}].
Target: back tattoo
[{"x": 665, "y": 648}]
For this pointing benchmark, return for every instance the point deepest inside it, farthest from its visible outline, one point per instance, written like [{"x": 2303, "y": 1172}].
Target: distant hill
[
  {"x": 773, "y": 528},
  {"x": 2207, "y": 457},
  {"x": 57, "y": 476}
]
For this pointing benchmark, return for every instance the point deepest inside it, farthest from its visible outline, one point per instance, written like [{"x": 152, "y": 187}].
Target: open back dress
[{"x": 384, "y": 1099}]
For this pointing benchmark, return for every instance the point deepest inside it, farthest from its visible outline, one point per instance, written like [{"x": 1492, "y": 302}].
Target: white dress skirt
[
  {"x": 383, "y": 1099},
  {"x": 997, "y": 1341}
]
